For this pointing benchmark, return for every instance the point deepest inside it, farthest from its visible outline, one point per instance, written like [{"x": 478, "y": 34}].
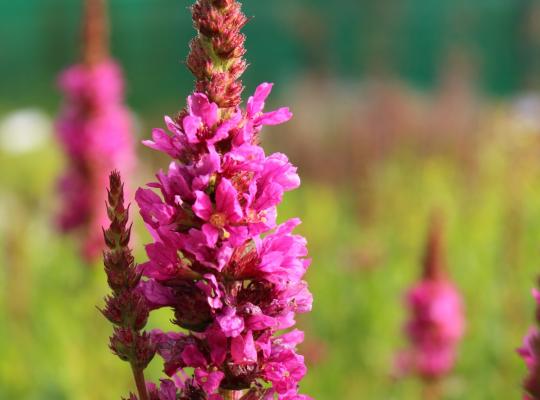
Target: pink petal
[
  {"x": 227, "y": 201},
  {"x": 243, "y": 349},
  {"x": 172, "y": 126},
  {"x": 209, "y": 381},
  {"x": 218, "y": 344},
  {"x": 199, "y": 106},
  {"x": 203, "y": 205},
  {"x": 193, "y": 357},
  {"x": 223, "y": 131},
  {"x": 161, "y": 142},
  {"x": 231, "y": 324},
  {"x": 274, "y": 117},
  {"x": 255, "y": 103},
  {"x": 191, "y": 125},
  {"x": 211, "y": 233}
]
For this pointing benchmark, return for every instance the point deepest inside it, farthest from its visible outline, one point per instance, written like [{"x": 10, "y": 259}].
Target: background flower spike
[
  {"x": 94, "y": 130},
  {"x": 436, "y": 321}
]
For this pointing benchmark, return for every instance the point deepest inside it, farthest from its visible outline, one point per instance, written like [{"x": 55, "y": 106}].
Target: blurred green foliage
[{"x": 53, "y": 340}]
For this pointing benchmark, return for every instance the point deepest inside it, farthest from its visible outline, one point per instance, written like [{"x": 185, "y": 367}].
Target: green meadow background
[{"x": 401, "y": 109}]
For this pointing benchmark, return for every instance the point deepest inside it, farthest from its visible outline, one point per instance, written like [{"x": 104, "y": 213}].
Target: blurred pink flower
[
  {"x": 437, "y": 323},
  {"x": 94, "y": 130},
  {"x": 530, "y": 352},
  {"x": 435, "y": 328}
]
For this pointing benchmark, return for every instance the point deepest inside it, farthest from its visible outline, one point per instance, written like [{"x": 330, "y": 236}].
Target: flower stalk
[
  {"x": 232, "y": 276},
  {"x": 126, "y": 307},
  {"x": 138, "y": 376},
  {"x": 231, "y": 394}
]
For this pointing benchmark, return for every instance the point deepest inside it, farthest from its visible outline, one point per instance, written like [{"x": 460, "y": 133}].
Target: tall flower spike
[
  {"x": 126, "y": 307},
  {"x": 94, "y": 130},
  {"x": 436, "y": 323},
  {"x": 231, "y": 274}
]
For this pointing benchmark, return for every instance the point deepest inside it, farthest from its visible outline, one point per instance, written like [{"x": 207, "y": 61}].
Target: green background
[{"x": 39, "y": 37}]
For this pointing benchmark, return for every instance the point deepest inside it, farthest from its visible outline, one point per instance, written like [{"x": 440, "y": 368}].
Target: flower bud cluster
[
  {"x": 127, "y": 307},
  {"x": 216, "y": 53}
]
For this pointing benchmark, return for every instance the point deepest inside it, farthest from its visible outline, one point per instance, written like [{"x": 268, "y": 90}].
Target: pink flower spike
[
  {"x": 232, "y": 277},
  {"x": 94, "y": 131},
  {"x": 437, "y": 323}
]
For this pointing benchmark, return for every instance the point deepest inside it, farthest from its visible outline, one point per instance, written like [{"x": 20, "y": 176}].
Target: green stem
[
  {"x": 138, "y": 375},
  {"x": 432, "y": 390}
]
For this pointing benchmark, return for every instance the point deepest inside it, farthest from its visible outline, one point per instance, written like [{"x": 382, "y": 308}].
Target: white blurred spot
[
  {"x": 526, "y": 110},
  {"x": 24, "y": 130}
]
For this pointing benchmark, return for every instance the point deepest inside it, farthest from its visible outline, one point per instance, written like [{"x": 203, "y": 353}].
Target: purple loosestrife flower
[
  {"x": 530, "y": 352},
  {"x": 94, "y": 130},
  {"x": 233, "y": 277},
  {"x": 437, "y": 322}
]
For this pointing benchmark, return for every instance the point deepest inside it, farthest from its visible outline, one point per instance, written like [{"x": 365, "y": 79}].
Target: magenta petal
[
  {"x": 291, "y": 339},
  {"x": 211, "y": 288},
  {"x": 211, "y": 233},
  {"x": 230, "y": 323},
  {"x": 167, "y": 390},
  {"x": 191, "y": 126},
  {"x": 209, "y": 163},
  {"x": 277, "y": 117},
  {"x": 255, "y": 103},
  {"x": 218, "y": 344},
  {"x": 243, "y": 349},
  {"x": 203, "y": 205},
  {"x": 161, "y": 142},
  {"x": 271, "y": 196},
  {"x": 227, "y": 201},
  {"x": 193, "y": 357},
  {"x": 260, "y": 322},
  {"x": 156, "y": 294},
  {"x": 199, "y": 106},
  {"x": 172, "y": 126},
  {"x": 223, "y": 131},
  {"x": 209, "y": 381}
]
